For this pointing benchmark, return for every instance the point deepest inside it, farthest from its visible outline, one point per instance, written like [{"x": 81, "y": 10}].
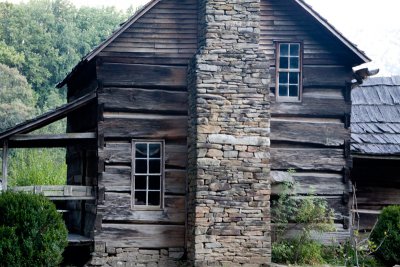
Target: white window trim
[
  {"x": 162, "y": 175},
  {"x": 294, "y": 99}
]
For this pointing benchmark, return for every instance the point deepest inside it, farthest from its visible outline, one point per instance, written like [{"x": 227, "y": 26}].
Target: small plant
[
  {"x": 387, "y": 235},
  {"x": 32, "y": 232},
  {"x": 312, "y": 213}
]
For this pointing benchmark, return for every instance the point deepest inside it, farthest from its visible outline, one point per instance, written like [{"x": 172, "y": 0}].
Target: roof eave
[
  {"x": 106, "y": 42},
  {"x": 361, "y": 55}
]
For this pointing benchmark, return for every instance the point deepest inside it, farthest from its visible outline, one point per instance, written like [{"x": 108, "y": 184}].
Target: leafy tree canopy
[{"x": 17, "y": 99}]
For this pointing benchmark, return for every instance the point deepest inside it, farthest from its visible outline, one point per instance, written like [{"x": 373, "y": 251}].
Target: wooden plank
[
  {"x": 307, "y": 159},
  {"x": 311, "y": 107},
  {"x": 312, "y": 132},
  {"x": 117, "y": 207},
  {"x": 135, "y": 75},
  {"x": 326, "y": 76},
  {"x": 319, "y": 183},
  {"x": 141, "y": 236},
  {"x": 51, "y": 140},
  {"x": 145, "y": 126},
  {"x": 118, "y": 179},
  {"x": 129, "y": 99},
  {"x": 48, "y": 117},
  {"x": 3, "y": 183},
  {"x": 60, "y": 192}
]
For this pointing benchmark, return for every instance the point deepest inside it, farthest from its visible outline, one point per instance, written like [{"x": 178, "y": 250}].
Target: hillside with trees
[{"x": 40, "y": 42}]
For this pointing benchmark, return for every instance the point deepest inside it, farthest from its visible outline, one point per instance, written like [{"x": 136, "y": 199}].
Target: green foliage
[
  {"x": 17, "y": 99},
  {"x": 312, "y": 213},
  {"x": 387, "y": 235},
  {"x": 46, "y": 38},
  {"x": 38, "y": 167},
  {"x": 357, "y": 257},
  {"x": 9, "y": 255},
  {"x": 298, "y": 251},
  {"x": 34, "y": 228}
]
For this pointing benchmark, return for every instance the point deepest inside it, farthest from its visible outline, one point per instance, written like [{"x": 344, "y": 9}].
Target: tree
[{"x": 17, "y": 99}]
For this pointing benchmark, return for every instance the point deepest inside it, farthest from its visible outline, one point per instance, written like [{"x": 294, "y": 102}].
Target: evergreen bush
[
  {"x": 32, "y": 232},
  {"x": 386, "y": 235}
]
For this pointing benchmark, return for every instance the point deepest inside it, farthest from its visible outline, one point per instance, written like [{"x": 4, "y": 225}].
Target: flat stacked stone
[{"x": 229, "y": 159}]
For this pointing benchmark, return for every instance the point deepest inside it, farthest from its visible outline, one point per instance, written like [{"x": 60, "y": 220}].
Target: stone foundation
[
  {"x": 229, "y": 159},
  {"x": 134, "y": 257}
]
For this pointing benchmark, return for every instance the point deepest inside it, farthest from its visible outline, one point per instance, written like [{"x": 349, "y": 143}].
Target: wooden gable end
[
  {"x": 288, "y": 21},
  {"x": 166, "y": 34}
]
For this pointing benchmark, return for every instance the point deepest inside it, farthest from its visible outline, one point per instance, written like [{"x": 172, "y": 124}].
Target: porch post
[{"x": 5, "y": 171}]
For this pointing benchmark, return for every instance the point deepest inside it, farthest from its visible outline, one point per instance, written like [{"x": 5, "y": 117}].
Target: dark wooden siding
[
  {"x": 165, "y": 35},
  {"x": 144, "y": 96},
  {"x": 310, "y": 136}
]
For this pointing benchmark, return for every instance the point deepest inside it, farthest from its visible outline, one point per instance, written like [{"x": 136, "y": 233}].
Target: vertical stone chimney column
[{"x": 229, "y": 159}]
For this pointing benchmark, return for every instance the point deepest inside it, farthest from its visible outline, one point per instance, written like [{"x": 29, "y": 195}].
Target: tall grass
[{"x": 37, "y": 167}]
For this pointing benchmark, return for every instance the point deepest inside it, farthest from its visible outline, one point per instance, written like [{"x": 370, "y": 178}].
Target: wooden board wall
[
  {"x": 310, "y": 136},
  {"x": 144, "y": 96},
  {"x": 165, "y": 35}
]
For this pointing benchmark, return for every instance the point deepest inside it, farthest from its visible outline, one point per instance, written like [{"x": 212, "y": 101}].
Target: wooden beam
[
  {"x": 5, "y": 165},
  {"x": 48, "y": 117},
  {"x": 50, "y": 140}
]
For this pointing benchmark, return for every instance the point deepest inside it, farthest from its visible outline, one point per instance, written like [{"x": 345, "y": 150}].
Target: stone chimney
[{"x": 229, "y": 159}]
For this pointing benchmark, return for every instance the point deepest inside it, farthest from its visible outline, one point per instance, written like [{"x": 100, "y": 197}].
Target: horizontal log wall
[
  {"x": 144, "y": 96},
  {"x": 165, "y": 35},
  {"x": 310, "y": 136}
]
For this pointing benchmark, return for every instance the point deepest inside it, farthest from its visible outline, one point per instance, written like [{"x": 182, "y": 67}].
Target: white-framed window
[
  {"x": 148, "y": 174},
  {"x": 288, "y": 71}
]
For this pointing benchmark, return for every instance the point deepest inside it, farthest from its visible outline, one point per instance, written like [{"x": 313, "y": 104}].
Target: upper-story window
[
  {"x": 147, "y": 174},
  {"x": 289, "y": 68}
]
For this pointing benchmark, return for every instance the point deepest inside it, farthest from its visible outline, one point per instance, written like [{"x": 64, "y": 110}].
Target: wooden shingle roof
[{"x": 375, "y": 117}]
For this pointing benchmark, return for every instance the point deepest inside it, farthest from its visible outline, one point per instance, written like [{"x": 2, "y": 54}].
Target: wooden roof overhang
[
  {"x": 360, "y": 55},
  {"x": 18, "y": 137}
]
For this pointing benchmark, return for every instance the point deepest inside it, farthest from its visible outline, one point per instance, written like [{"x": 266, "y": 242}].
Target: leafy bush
[
  {"x": 37, "y": 167},
  {"x": 32, "y": 233},
  {"x": 387, "y": 235},
  {"x": 298, "y": 251}
]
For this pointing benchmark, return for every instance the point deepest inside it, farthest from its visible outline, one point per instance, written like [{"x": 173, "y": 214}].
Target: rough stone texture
[
  {"x": 135, "y": 257},
  {"x": 229, "y": 160}
]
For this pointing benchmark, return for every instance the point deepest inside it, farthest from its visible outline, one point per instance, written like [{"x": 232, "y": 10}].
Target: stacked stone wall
[{"x": 229, "y": 159}]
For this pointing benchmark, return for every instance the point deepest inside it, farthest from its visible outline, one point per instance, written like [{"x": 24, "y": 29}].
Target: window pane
[
  {"x": 294, "y": 78},
  {"x": 294, "y": 62},
  {"x": 154, "y": 198},
  {"x": 154, "y": 150},
  {"x": 284, "y": 49},
  {"x": 154, "y": 183},
  {"x": 283, "y": 62},
  {"x": 141, "y": 166},
  {"x": 140, "y": 182},
  {"x": 283, "y": 90},
  {"x": 293, "y": 90},
  {"x": 140, "y": 198},
  {"x": 295, "y": 50},
  {"x": 141, "y": 150},
  {"x": 283, "y": 77},
  {"x": 154, "y": 166}
]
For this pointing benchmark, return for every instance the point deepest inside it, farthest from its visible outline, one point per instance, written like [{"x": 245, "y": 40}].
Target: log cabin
[
  {"x": 177, "y": 120},
  {"x": 375, "y": 147}
]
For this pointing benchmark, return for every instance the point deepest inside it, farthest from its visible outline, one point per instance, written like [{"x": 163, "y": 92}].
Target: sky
[{"x": 373, "y": 25}]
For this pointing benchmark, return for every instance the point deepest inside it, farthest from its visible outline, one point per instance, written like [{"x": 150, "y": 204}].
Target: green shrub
[
  {"x": 298, "y": 251},
  {"x": 387, "y": 235},
  {"x": 37, "y": 167},
  {"x": 31, "y": 226}
]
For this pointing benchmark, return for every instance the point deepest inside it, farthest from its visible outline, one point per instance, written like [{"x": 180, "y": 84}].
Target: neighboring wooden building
[
  {"x": 183, "y": 95},
  {"x": 375, "y": 127}
]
